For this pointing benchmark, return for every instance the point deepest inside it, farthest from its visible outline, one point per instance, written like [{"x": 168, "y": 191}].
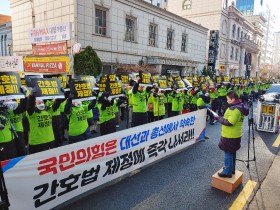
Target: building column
[{"x": 241, "y": 63}]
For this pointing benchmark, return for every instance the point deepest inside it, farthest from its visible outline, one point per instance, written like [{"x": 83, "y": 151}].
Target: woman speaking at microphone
[{"x": 231, "y": 131}]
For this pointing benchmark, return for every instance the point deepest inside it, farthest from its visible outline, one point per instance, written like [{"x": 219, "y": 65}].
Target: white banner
[
  {"x": 60, "y": 32},
  {"x": 47, "y": 179},
  {"x": 11, "y": 63}
]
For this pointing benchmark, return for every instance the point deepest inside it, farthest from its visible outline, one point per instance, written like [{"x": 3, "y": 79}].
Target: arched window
[
  {"x": 187, "y": 4},
  {"x": 233, "y": 31}
]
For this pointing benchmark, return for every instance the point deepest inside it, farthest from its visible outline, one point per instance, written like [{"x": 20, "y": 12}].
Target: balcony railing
[{"x": 249, "y": 44}]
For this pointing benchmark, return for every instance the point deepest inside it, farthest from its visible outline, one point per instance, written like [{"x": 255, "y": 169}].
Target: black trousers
[
  {"x": 108, "y": 127},
  {"x": 41, "y": 147},
  {"x": 8, "y": 150},
  {"x": 20, "y": 145},
  {"x": 139, "y": 118}
]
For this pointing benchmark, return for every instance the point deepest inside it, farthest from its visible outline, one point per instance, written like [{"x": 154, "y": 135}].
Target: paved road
[{"x": 182, "y": 181}]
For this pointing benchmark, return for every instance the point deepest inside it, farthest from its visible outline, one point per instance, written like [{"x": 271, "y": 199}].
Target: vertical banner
[
  {"x": 46, "y": 179},
  {"x": 213, "y": 50},
  {"x": 10, "y": 84},
  {"x": 50, "y": 87},
  {"x": 81, "y": 90}
]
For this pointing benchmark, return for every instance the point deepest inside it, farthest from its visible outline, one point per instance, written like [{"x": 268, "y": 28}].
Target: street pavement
[{"x": 183, "y": 180}]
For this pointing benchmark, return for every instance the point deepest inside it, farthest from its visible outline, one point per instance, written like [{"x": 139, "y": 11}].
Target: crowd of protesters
[{"x": 32, "y": 125}]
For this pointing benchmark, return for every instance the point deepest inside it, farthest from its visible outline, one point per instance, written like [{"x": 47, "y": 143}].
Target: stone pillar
[{"x": 241, "y": 63}]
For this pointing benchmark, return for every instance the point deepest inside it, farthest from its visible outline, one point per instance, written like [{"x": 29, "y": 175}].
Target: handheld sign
[
  {"x": 50, "y": 87},
  {"x": 114, "y": 88},
  {"x": 62, "y": 77},
  {"x": 180, "y": 85},
  {"x": 124, "y": 78},
  {"x": 81, "y": 90},
  {"x": 111, "y": 77},
  {"x": 145, "y": 79},
  {"x": 90, "y": 79},
  {"x": 162, "y": 83},
  {"x": 10, "y": 84}
]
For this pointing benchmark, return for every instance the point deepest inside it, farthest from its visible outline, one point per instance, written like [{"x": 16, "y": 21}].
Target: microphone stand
[{"x": 251, "y": 129}]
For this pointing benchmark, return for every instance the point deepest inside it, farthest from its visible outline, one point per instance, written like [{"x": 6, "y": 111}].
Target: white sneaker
[{"x": 117, "y": 126}]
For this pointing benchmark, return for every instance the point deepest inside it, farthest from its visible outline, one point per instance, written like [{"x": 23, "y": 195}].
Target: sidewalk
[{"x": 268, "y": 196}]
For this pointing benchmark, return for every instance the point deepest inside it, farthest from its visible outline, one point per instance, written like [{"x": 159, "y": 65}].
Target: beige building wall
[{"x": 112, "y": 47}]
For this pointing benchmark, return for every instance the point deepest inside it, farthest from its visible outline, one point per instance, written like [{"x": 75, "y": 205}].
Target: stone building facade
[{"x": 123, "y": 32}]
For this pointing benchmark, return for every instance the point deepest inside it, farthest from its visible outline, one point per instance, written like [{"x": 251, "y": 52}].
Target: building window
[
  {"x": 152, "y": 35},
  {"x": 231, "y": 53},
  {"x": 184, "y": 44},
  {"x": 238, "y": 33},
  {"x": 222, "y": 51},
  {"x": 187, "y": 4},
  {"x": 236, "y": 54},
  {"x": 158, "y": 4},
  {"x": 233, "y": 31},
  {"x": 130, "y": 29},
  {"x": 169, "y": 41},
  {"x": 225, "y": 4},
  {"x": 241, "y": 36},
  {"x": 224, "y": 29},
  {"x": 100, "y": 21}
]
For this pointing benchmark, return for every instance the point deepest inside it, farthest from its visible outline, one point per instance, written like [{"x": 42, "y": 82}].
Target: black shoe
[
  {"x": 224, "y": 175},
  {"x": 93, "y": 132},
  {"x": 206, "y": 137},
  {"x": 231, "y": 172}
]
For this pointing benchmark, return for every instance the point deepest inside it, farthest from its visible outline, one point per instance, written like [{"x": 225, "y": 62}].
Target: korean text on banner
[
  {"x": 62, "y": 77},
  {"x": 124, "y": 78},
  {"x": 114, "y": 88},
  {"x": 11, "y": 63},
  {"x": 81, "y": 90},
  {"x": 50, "y": 87},
  {"x": 47, "y": 179},
  {"x": 145, "y": 79},
  {"x": 10, "y": 84},
  {"x": 60, "y": 32},
  {"x": 47, "y": 64},
  {"x": 89, "y": 79}
]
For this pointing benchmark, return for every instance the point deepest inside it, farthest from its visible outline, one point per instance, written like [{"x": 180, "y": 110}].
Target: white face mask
[
  {"x": 11, "y": 105},
  {"x": 77, "y": 104},
  {"x": 41, "y": 106}
]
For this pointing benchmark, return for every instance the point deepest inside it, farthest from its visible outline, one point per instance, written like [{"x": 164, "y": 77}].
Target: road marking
[
  {"x": 244, "y": 195},
  {"x": 277, "y": 142}
]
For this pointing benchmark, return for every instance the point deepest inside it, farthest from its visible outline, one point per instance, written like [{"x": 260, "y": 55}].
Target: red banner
[
  {"x": 47, "y": 64},
  {"x": 50, "y": 49}
]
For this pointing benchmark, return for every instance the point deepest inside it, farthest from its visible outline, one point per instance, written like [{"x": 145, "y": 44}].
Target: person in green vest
[
  {"x": 213, "y": 93},
  {"x": 195, "y": 95},
  {"x": 78, "y": 121},
  {"x": 41, "y": 136},
  {"x": 57, "y": 124},
  {"x": 159, "y": 100},
  {"x": 177, "y": 102},
  {"x": 107, "y": 116},
  {"x": 150, "y": 108},
  {"x": 12, "y": 141},
  {"x": 231, "y": 132},
  {"x": 139, "y": 94}
]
